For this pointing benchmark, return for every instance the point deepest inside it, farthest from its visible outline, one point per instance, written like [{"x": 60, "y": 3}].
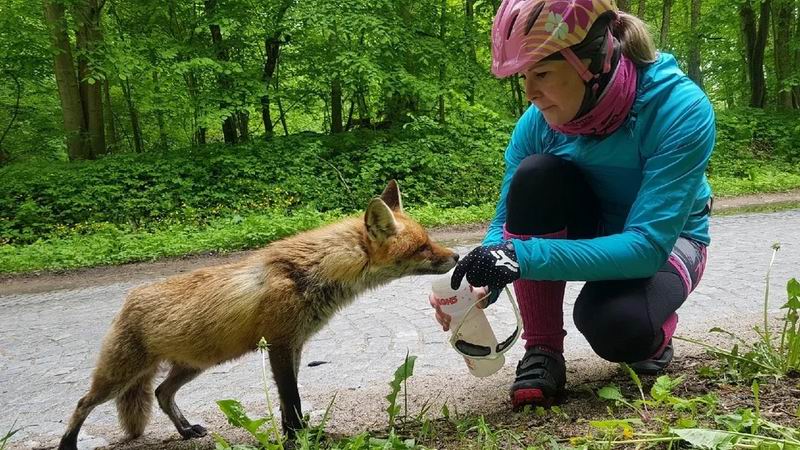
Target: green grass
[{"x": 757, "y": 181}]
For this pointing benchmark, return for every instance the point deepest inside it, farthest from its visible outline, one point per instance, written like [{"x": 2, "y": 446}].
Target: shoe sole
[{"x": 531, "y": 396}]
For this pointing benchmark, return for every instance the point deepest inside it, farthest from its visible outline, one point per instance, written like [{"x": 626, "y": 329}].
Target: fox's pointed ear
[
  {"x": 379, "y": 220},
  {"x": 391, "y": 196}
]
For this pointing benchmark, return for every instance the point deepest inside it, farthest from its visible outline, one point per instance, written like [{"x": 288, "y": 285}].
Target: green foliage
[
  {"x": 745, "y": 428},
  {"x": 401, "y": 376},
  {"x": 237, "y": 417},
  {"x": 752, "y": 143},
  {"x": 151, "y": 191}
]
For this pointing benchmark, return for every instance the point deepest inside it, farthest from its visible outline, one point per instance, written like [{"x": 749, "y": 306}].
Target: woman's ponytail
[{"x": 634, "y": 36}]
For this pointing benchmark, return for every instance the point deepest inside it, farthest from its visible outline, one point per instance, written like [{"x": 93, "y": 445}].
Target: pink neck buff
[{"x": 611, "y": 109}]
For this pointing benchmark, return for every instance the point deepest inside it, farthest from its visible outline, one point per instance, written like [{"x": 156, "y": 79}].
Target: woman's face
[{"x": 555, "y": 88}]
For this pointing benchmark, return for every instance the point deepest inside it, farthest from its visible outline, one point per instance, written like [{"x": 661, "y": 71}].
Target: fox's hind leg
[
  {"x": 102, "y": 390},
  {"x": 124, "y": 369},
  {"x": 165, "y": 393}
]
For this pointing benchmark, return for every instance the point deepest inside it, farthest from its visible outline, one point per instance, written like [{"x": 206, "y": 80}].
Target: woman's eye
[{"x": 541, "y": 75}]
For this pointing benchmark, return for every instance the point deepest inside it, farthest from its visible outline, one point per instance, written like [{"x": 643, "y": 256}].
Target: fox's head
[{"x": 399, "y": 244}]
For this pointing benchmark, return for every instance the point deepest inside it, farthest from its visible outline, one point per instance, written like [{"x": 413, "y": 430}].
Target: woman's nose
[{"x": 531, "y": 91}]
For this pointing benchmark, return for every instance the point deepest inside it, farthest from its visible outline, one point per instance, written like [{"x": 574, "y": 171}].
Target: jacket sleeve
[
  {"x": 521, "y": 146},
  {"x": 672, "y": 173}
]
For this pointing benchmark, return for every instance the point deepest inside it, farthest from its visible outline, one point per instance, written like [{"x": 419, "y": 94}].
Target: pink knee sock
[
  {"x": 669, "y": 330},
  {"x": 541, "y": 305}
]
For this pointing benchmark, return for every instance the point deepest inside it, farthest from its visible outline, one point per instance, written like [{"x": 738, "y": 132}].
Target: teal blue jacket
[{"x": 649, "y": 176}]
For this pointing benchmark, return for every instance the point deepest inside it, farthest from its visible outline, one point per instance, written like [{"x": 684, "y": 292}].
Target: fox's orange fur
[{"x": 285, "y": 293}]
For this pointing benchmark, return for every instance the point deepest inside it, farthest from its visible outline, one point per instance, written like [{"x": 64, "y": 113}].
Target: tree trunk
[
  {"x": 88, "y": 38},
  {"x": 282, "y": 117},
  {"x": 163, "y": 142},
  {"x": 243, "y": 122},
  {"x": 642, "y": 9},
  {"x": 694, "y": 45},
  {"x": 666, "y": 14},
  {"x": 363, "y": 109},
  {"x": 517, "y": 96},
  {"x": 442, "y": 64},
  {"x": 782, "y": 34},
  {"x": 111, "y": 126},
  {"x": 401, "y": 103},
  {"x": 624, "y": 5},
  {"x": 199, "y": 132},
  {"x": 67, "y": 82},
  {"x": 138, "y": 144},
  {"x": 796, "y": 90},
  {"x": 472, "y": 58},
  {"x": 229, "y": 126},
  {"x": 755, "y": 44},
  {"x": 4, "y": 155},
  {"x": 272, "y": 48},
  {"x": 336, "y": 106}
]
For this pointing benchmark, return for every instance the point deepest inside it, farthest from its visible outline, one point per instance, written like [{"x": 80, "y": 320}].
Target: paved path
[{"x": 49, "y": 341}]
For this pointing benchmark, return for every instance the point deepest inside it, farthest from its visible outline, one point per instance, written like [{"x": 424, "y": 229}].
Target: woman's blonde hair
[{"x": 634, "y": 36}]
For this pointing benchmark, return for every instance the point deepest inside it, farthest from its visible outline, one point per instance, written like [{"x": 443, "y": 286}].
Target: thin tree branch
[{"x": 16, "y": 108}]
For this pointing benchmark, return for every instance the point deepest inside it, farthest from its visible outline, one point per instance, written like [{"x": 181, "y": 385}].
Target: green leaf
[
  {"x": 219, "y": 442},
  {"x": 706, "y": 439},
  {"x": 634, "y": 376},
  {"x": 793, "y": 288},
  {"x": 664, "y": 386},
  {"x": 686, "y": 422},
  {"x": 614, "y": 424},
  {"x": 237, "y": 417},
  {"x": 400, "y": 375},
  {"x": 610, "y": 393}
]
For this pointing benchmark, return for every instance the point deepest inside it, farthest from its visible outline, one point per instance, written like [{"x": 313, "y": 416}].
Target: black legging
[{"x": 621, "y": 319}]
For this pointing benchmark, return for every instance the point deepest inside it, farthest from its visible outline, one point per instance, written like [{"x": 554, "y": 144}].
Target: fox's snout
[{"x": 445, "y": 262}]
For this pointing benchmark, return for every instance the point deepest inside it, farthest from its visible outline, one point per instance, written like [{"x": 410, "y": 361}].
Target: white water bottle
[{"x": 474, "y": 329}]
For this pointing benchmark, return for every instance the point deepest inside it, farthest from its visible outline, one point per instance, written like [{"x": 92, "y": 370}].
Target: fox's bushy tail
[{"x": 135, "y": 403}]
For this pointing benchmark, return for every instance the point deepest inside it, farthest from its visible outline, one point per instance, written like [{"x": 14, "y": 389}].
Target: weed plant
[{"x": 775, "y": 354}]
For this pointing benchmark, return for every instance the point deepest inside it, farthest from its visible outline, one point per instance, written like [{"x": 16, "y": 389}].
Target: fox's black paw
[{"x": 195, "y": 431}]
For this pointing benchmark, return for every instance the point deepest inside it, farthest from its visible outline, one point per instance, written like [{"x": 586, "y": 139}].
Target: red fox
[{"x": 284, "y": 292}]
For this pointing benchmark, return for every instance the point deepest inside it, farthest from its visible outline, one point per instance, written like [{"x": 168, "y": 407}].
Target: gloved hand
[{"x": 493, "y": 266}]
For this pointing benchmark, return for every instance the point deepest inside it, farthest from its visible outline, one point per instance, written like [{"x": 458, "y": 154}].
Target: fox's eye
[{"x": 424, "y": 248}]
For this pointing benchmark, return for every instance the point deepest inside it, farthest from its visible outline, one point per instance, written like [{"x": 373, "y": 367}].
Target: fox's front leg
[{"x": 284, "y": 361}]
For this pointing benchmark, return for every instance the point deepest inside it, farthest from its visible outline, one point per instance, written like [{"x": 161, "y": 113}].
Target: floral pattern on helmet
[
  {"x": 556, "y": 25},
  {"x": 572, "y": 13}
]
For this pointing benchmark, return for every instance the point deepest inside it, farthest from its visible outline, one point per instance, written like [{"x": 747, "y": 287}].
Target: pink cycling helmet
[{"x": 527, "y": 31}]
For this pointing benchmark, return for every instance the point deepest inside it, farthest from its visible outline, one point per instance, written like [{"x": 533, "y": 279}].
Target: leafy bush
[
  {"x": 750, "y": 139},
  {"x": 326, "y": 173}
]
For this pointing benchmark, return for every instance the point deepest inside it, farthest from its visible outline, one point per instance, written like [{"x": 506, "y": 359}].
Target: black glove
[{"x": 493, "y": 266}]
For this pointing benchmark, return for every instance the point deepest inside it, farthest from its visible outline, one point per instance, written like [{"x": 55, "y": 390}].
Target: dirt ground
[{"x": 779, "y": 403}]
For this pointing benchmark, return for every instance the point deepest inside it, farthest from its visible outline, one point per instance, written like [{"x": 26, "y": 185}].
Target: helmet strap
[{"x": 591, "y": 80}]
